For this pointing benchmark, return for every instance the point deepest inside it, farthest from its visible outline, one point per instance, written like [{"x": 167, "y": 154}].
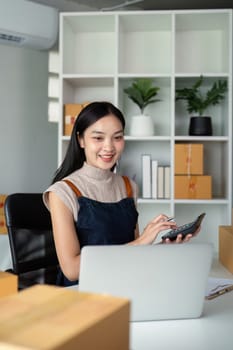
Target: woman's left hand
[{"x": 179, "y": 238}]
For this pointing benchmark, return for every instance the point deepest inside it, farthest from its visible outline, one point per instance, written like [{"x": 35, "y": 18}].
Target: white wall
[{"x": 28, "y": 142}]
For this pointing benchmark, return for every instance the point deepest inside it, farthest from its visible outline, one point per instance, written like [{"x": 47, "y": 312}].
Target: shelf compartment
[
  {"x": 85, "y": 90},
  {"x": 216, "y": 165},
  {"x": 145, "y": 43},
  {"x": 202, "y": 42},
  {"x": 159, "y": 111},
  {"x": 218, "y": 113},
  {"x": 89, "y": 44},
  {"x": 130, "y": 162},
  {"x": 80, "y": 90}
]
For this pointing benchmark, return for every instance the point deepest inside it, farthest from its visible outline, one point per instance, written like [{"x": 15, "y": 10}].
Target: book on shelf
[
  {"x": 154, "y": 177},
  {"x": 160, "y": 181},
  {"x": 146, "y": 176}
]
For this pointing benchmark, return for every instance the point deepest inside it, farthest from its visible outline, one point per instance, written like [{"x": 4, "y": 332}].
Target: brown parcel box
[
  {"x": 8, "y": 284},
  {"x": 54, "y": 318},
  {"x": 188, "y": 159},
  {"x": 3, "y": 228},
  {"x": 2, "y": 202},
  {"x": 193, "y": 187},
  {"x": 226, "y": 246},
  {"x": 71, "y": 111}
]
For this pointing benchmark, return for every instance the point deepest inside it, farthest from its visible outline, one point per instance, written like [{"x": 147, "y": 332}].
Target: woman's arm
[
  {"x": 154, "y": 227},
  {"x": 65, "y": 237}
]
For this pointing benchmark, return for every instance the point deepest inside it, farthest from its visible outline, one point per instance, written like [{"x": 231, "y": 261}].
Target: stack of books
[{"x": 156, "y": 179}]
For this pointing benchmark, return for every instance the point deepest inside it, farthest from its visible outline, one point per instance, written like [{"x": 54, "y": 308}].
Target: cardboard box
[
  {"x": 54, "y": 318},
  {"x": 226, "y": 247},
  {"x": 193, "y": 187},
  {"x": 188, "y": 159},
  {"x": 2, "y": 201},
  {"x": 71, "y": 111},
  {"x": 8, "y": 284},
  {"x": 3, "y": 228}
]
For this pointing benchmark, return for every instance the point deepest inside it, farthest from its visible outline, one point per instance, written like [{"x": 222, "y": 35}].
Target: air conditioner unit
[{"x": 27, "y": 24}]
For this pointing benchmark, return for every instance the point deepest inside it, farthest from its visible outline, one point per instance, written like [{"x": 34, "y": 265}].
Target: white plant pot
[{"x": 141, "y": 125}]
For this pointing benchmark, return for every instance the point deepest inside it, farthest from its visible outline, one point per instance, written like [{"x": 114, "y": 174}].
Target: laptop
[{"x": 162, "y": 281}]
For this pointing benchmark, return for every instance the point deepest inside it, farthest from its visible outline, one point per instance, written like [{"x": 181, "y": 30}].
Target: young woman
[{"x": 88, "y": 202}]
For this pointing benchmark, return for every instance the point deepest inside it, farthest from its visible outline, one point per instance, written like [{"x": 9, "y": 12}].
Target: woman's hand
[
  {"x": 153, "y": 228},
  {"x": 180, "y": 239}
]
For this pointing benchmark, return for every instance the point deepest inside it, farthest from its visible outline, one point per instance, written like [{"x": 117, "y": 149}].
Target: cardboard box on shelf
[
  {"x": 193, "y": 187},
  {"x": 8, "y": 284},
  {"x": 50, "y": 318},
  {"x": 71, "y": 111},
  {"x": 226, "y": 247},
  {"x": 188, "y": 159}
]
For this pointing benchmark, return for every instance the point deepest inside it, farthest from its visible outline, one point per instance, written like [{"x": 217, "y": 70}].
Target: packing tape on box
[
  {"x": 192, "y": 186},
  {"x": 70, "y": 120}
]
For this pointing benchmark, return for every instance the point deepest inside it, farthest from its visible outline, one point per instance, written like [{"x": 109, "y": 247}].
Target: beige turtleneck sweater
[{"x": 94, "y": 183}]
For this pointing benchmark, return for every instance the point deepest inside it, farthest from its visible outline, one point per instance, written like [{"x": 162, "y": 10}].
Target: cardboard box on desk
[
  {"x": 226, "y": 247},
  {"x": 3, "y": 228},
  {"x": 52, "y": 318},
  {"x": 188, "y": 159},
  {"x": 193, "y": 187},
  {"x": 2, "y": 202},
  {"x": 71, "y": 111},
  {"x": 8, "y": 284}
]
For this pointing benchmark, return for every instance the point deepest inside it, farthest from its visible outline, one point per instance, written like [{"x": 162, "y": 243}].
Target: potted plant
[
  {"x": 198, "y": 102},
  {"x": 142, "y": 93}
]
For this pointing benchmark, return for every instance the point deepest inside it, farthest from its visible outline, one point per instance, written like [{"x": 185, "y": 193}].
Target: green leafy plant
[
  {"x": 197, "y": 101},
  {"x": 142, "y": 92}
]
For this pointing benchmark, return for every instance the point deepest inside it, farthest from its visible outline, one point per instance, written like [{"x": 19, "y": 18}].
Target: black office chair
[{"x": 29, "y": 227}]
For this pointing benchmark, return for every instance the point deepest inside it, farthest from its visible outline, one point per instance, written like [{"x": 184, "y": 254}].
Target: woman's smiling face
[{"x": 103, "y": 142}]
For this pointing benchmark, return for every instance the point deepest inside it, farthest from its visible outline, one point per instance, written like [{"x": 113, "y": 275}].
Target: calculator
[{"x": 185, "y": 229}]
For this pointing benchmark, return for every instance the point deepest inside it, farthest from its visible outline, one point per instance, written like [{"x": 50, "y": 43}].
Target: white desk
[{"x": 213, "y": 331}]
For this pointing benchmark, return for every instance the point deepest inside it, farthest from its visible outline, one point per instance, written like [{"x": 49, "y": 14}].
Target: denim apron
[{"x": 103, "y": 223}]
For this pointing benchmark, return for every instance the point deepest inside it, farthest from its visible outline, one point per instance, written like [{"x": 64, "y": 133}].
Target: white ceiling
[{"x": 88, "y": 5}]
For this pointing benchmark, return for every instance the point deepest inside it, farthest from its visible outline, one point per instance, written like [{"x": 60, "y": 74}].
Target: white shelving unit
[
  {"x": 53, "y": 86},
  {"x": 100, "y": 55}
]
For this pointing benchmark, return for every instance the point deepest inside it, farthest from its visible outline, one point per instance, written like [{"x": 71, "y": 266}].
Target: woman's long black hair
[{"x": 75, "y": 155}]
